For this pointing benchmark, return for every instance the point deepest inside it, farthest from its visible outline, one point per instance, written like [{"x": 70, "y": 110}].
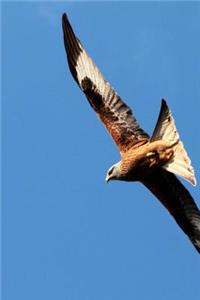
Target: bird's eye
[{"x": 110, "y": 172}]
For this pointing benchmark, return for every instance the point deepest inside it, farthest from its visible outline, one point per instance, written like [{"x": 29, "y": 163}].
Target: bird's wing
[
  {"x": 114, "y": 113},
  {"x": 177, "y": 199}
]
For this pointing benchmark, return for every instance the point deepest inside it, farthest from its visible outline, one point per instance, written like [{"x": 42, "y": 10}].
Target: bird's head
[{"x": 113, "y": 173}]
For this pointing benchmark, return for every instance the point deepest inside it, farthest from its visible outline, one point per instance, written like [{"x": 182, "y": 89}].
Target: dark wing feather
[
  {"x": 115, "y": 114},
  {"x": 176, "y": 198}
]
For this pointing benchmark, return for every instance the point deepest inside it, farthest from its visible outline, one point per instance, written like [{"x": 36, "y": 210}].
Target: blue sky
[{"x": 67, "y": 234}]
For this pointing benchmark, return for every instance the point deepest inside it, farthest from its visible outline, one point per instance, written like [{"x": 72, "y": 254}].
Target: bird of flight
[{"x": 154, "y": 160}]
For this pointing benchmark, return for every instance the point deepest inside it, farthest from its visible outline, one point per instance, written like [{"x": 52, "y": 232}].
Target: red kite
[{"x": 151, "y": 160}]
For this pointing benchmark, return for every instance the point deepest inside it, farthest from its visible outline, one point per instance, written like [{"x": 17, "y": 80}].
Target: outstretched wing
[
  {"x": 176, "y": 198},
  {"x": 115, "y": 114}
]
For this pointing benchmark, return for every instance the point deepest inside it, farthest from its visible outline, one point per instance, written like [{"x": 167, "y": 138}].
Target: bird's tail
[{"x": 180, "y": 163}]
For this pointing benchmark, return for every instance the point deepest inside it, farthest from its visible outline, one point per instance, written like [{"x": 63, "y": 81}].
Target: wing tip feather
[{"x": 64, "y": 18}]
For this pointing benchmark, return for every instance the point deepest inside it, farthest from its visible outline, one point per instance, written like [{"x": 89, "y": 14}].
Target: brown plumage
[{"x": 151, "y": 161}]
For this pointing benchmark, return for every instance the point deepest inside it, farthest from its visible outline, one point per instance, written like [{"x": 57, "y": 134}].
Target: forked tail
[{"x": 180, "y": 163}]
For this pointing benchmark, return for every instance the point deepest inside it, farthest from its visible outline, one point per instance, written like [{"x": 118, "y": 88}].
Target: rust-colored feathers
[
  {"x": 180, "y": 163},
  {"x": 114, "y": 113},
  {"x": 131, "y": 140}
]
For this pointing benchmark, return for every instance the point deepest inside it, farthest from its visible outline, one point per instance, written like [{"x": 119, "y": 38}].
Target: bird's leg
[
  {"x": 166, "y": 155},
  {"x": 167, "y": 152},
  {"x": 159, "y": 157},
  {"x": 152, "y": 158}
]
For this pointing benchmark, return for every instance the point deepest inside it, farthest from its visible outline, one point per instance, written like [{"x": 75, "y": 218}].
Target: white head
[{"x": 114, "y": 172}]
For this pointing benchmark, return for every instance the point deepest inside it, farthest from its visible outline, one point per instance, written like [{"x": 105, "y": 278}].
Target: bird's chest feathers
[{"x": 140, "y": 162}]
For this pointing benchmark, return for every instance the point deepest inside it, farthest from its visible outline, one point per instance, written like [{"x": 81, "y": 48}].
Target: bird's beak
[{"x": 107, "y": 178}]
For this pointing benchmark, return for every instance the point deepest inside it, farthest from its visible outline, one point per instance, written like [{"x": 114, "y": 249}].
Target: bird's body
[
  {"x": 151, "y": 160},
  {"x": 139, "y": 162}
]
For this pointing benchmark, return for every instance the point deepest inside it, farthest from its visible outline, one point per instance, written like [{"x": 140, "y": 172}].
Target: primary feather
[
  {"x": 115, "y": 114},
  {"x": 144, "y": 159}
]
